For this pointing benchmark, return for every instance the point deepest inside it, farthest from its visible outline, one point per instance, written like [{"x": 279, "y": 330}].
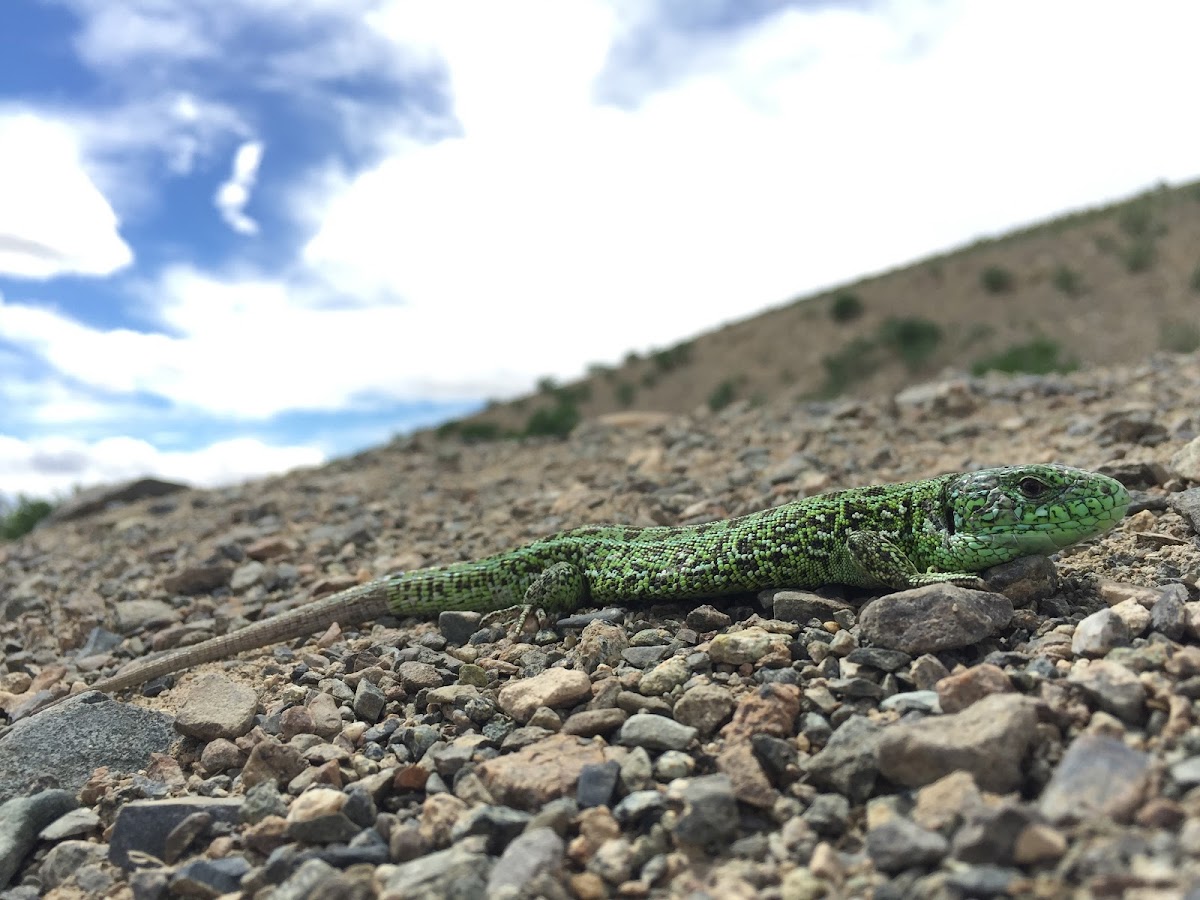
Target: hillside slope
[{"x": 1108, "y": 285}]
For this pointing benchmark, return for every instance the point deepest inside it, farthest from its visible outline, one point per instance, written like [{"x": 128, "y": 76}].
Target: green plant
[
  {"x": 547, "y": 385},
  {"x": 1136, "y": 218},
  {"x": 855, "y": 361},
  {"x": 846, "y": 307},
  {"x": 1194, "y": 281},
  {"x": 1139, "y": 256},
  {"x": 478, "y": 432},
  {"x": 553, "y": 421},
  {"x": 722, "y": 395},
  {"x": 1068, "y": 281},
  {"x": 673, "y": 357},
  {"x": 914, "y": 340},
  {"x": 1038, "y": 356},
  {"x": 625, "y": 393},
  {"x": 1107, "y": 244},
  {"x": 996, "y": 280},
  {"x": 1179, "y": 337},
  {"x": 19, "y": 519}
]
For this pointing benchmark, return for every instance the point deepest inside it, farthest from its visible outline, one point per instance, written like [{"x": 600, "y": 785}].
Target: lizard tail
[{"x": 348, "y": 607}]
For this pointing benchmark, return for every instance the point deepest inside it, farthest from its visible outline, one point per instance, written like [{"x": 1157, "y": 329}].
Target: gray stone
[
  {"x": 1168, "y": 616},
  {"x": 538, "y": 853},
  {"x": 1111, "y": 687},
  {"x": 217, "y": 707},
  {"x": 655, "y": 733},
  {"x": 64, "y": 744},
  {"x": 710, "y": 815},
  {"x": 459, "y": 873},
  {"x": 847, "y": 763},
  {"x": 802, "y": 606},
  {"x": 369, "y": 701},
  {"x": 900, "y": 844},
  {"x": 145, "y": 825},
  {"x": 209, "y": 877},
  {"x": 21, "y": 820},
  {"x": 1186, "y": 462},
  {"x": 933, "y": 618},
  {"x": 988, "y": 739},
  {"x": 1098, "y": 778},
  {"x": 1099, "y": 633}
]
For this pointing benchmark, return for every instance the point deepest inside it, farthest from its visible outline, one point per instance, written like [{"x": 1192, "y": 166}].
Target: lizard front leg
[
  {"x": 882, "y": 560},
  {"x": 558, "y": 588}
]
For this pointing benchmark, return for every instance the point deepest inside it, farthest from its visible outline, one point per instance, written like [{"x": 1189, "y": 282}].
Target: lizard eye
[{"x": 1031, "y": 488}]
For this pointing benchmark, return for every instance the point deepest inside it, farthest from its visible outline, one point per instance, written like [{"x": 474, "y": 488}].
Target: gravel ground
[{"x": 1039, "y": 740}]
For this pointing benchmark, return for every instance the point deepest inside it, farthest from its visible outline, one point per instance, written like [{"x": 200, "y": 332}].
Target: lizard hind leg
[
  {"x": 883, "y": 561},
  {"x": 560, "y": 587}
]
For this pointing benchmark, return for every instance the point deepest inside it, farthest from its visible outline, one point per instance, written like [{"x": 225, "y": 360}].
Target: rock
[
  {"x": 900, "y": 844},
  {"x": 538, "y": 853},
  {"x": 847, "y": 764},
  {"x": 989, "y": 740},
  {"x": 1111, "y": 687},
  {"x": 209, "y": 877},
  {"x": 319, "y": 816},
  {"x": 655, "y": 733},
  {"x": 97, "y": 499},
  {"x": 1098, "y": 778},
  {"x": 369, "y": 701},
  {"x": 1023, "y": 581},
  {"x": 459, "y": 873},
  {"x": 933, "y": 618},
  {"x": 554, "y": 688},
  {"x": 740, "y": 647},
  {"x": 217, "y": 707},
  {"x": 664, "y": 677},
  {"x": 710, "y": 814},
  {"x": 958, "y": 691},
  {"x": 64, "y": 744},
  {"x": 705, "y": 707},
  {"x": 1099, "y": 633},
  {"x": 541, "y": 772},
  {"x": 802, "y": 606},
  {"x": 1186, "y": 462},
  {"x": 197, "y": 579},
  {"x": 145, "y": 826},
  {"x": 21, "y": 820},
  {"x": 771, "y": 710}
]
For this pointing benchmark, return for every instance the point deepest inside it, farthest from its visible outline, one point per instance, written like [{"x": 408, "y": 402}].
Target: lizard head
[{"x": 1004, "y": 513}]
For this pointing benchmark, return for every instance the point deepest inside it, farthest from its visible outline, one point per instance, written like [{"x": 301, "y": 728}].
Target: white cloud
[
  {"x": 47, "y": 467},
  {"x": 549, "y": 228},
  {"x": 53, "y": 218},
  {"x": 810, "y": 149},
  {"x": 233, "y": 195}
]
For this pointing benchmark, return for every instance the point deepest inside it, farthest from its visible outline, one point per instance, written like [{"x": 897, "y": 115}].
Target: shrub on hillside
[
  {"x": 1140, "y": 255},
  {"x": 722, "y": 395},
  {"x": 624, "y": 393},
  {"x": 1038, "y": 357},
  {"x": 914, "y": 340},
  {"x": 553, "y": 421},
  {"x": 673, "y": 357},
  {"x": 1068, "y": 281},
  {"x": 997, "y": 280},
  {"x": 846, "y": 307},
  {"x": 18, "y": 519},
  {"x": 854, "y": 362},
  {"x": 1179, "y": 337}
]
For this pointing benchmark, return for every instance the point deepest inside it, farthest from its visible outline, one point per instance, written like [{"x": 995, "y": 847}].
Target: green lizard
[{"x": 892, "y": 536}]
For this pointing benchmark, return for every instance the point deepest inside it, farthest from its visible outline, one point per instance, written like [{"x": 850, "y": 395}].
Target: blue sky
[{"x": 242, "y": 235}]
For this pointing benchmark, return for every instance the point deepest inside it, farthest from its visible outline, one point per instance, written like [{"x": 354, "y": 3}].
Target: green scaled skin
[{"x": 895, "y": 536}]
